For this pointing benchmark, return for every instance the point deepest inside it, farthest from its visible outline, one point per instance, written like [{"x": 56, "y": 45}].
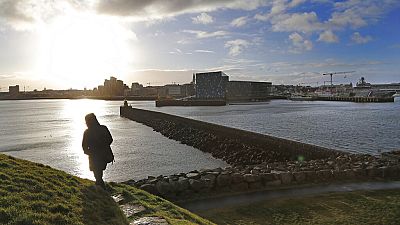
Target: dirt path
[{"x": 248, "y": 198}]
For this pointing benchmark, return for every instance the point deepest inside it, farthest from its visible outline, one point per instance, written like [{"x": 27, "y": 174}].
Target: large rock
[
  {"x": 224, "y": 180},
  {"x": 196, "y": 185},
  {"x": 209, "y": 176},
  {"x": 207, "y": 183},
  {"x": 183, "y": 184},
  {"x": 174, "y": 186},
  {"x": 151, "y": 188},
  {"x": 163, "y": 187},
  {"x": 251, "y": 178},
  {"x": 193, "y": 175},
  {"x": 150, "y": 220}
]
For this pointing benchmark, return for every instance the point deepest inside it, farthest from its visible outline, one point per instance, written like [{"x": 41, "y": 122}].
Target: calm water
[
  {"x": 50, "y": 132},
  {"x": 347, "y": 126}
]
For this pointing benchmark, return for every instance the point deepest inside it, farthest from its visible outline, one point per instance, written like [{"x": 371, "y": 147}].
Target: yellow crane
[{"x": 335, "y": 73}]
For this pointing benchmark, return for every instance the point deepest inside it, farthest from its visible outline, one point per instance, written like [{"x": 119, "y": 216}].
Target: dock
[
  {"x": 355, "y": 99},
  {"x": 175, "y": 102}
]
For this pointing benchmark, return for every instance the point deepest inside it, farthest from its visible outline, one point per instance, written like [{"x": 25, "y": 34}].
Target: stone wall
[
  {"x": 236, "y": 147},
  {"x": 213, "y": 182}
]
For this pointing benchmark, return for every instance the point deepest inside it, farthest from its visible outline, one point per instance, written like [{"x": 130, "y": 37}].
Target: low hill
[{"x": 32, "y": 193}]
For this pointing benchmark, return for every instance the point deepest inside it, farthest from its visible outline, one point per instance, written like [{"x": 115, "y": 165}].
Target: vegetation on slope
[
  {"x": 32, "y": 193},
  {"x": 361, "y": 207}
]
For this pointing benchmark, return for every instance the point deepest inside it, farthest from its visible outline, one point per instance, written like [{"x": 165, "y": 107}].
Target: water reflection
[{"x": 75, "y": 111}]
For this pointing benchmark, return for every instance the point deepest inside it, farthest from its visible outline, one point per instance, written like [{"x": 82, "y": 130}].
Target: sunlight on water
[{"x": 75, "y": 111}]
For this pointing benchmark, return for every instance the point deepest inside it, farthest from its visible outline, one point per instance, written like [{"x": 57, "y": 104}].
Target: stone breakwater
[
  {"x": 234, "y": 146},
  {"x": 239, "y": 179}
]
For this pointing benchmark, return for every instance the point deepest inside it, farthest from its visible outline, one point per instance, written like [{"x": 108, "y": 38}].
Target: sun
[{"x": 80, "y": 51}]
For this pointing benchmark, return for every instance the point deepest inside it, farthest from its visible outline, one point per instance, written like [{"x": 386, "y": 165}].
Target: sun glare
[
  {"x": 75, "y": 111},
  {"x": 80, "y": 51}
]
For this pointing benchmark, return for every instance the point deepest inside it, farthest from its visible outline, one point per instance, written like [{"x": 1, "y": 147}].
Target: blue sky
[{"x": 72, "y": 43}]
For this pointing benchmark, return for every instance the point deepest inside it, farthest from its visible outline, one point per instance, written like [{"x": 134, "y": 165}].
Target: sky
[{"x": 78, "y": 43}]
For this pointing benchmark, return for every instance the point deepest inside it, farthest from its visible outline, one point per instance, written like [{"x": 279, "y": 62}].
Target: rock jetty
[
  {"x": 209, "y": 182},
  {"x": 258, "y": 162},
  {"x": 234, "y": 146}
]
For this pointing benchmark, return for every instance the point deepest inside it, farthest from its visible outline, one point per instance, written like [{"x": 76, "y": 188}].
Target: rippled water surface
[
  {"x": 50, "y": 132},
  {"x": 347, "y": 126}
]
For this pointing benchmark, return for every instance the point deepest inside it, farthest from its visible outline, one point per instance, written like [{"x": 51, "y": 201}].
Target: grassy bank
[
  {"x": 32, "y": 193},
  {"x": 361, "y": 207}
]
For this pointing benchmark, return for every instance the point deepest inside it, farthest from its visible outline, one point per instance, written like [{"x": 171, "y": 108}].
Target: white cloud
[
  {"x": 236, "y": 46},
  {"x": 359, "y": 13},
  {"x": 278, "y": 7},
  {"x": 239, "y": 22},
  {"x": 299, "y": 44},
  {"x": 203, "y": 18},
  {"x": 159, "y": 9},
  {"x": 203, "y": 51},
  {"x": 350, "y": 13},
  {"x": 26, "y": 14},
  {"x": 205, "y": 34},
  {"x": 328, "y": 36},
  {"x": 300, "y": 22},
  {"x": 359, "y": 39}
]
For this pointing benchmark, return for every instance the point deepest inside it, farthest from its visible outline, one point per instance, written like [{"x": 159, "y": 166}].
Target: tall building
[
  {"x": 136, "y": 89},
  {"x": 113, "y": 87},
  {"x": 211, "y": 85}
]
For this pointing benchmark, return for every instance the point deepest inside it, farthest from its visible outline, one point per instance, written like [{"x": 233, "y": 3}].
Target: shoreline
[
  {"x": 258, "y": 162},
  {"x": 117, "y": 98}
]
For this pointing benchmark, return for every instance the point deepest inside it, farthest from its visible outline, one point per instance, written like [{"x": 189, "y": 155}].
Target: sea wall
[
  {"x": 236, "y": 147},
  {"x": 269, "y": 176}
]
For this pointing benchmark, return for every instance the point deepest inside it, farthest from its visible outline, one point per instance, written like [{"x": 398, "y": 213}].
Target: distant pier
[
  {"x": 355, "y": 99},
  {"x": 174, "y": 102}
]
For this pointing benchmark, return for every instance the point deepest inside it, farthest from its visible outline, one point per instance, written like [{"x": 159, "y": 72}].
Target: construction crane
[{"x": 334, "y": 73}]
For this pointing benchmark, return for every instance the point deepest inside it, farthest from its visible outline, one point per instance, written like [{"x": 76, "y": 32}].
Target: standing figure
[{"x": 96, "y": 144}]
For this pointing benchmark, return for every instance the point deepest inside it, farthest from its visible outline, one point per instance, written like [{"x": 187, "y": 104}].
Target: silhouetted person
[{"x": 96, "y": 144}]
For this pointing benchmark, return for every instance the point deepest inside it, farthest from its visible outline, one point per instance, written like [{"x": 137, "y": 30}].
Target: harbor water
[{"x": 50, "y": 132}]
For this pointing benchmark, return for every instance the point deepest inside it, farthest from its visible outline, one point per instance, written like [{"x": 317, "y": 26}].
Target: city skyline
[{"x": 77, "y": 44}]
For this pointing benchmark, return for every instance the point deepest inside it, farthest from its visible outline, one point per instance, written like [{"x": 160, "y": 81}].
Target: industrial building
[{"x": 248, "y": 90}]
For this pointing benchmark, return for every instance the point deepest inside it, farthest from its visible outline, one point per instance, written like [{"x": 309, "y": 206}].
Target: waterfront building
[
  {"x": 188, "y": 89},
  {"x": 113, "y": 87},
  {"x": 248, "y": 90},
  {"x": 13, "y": 90},
  {"x": 173, "y": 90},
  {"x": 136, "y": 89},
  {"x": 211, "y": 85}
]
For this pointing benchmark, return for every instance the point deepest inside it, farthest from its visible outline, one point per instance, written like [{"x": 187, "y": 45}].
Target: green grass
[
  {"x": 157, "y": 206},
  {"x": 32, "y": 193},
  {"x": 361, "y": 207}
]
